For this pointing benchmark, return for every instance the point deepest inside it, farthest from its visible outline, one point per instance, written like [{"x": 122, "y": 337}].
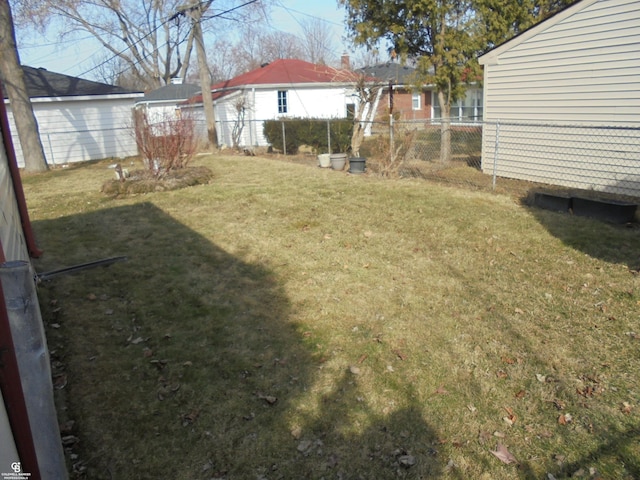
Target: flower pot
[
  {"x": 324, "y": 160},
  {"x": 338, "y": 160},
  {"x": 357, "y": 165}
]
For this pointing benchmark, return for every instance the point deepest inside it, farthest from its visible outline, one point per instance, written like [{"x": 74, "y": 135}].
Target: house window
[
  {"x": 282, "y": 101},
  {"x": 351, "y": 110},
  {"x": 416, "y": 101},
  {"x": 468, "y": 109}
]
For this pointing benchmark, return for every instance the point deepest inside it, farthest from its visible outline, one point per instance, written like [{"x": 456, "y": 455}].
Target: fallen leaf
[
  {"x": 519, "y": 311},
  {"x": 541, "y": 378},
  {"x": 400, "y": 355},
  {"x": 565, "y": 418},
  {"x": 626, "y": 407},
  {"x": 508, "y": 360},
  {"x": 270, "y": 399},
  {"x": 502, "y": 374},
  {"x": 441, "y": 390},
  {"x": 511, "y": 418},
  {"x": 354, "y": 370},
  {"x": 190, "y": 417},
  {"x": 504, "y": 455},
  {"x": 407, "y": 460},
  {"x": 362, "y": 358},
  {"x": 521, "y": 394},
  {"x": 60, "y": 381}
]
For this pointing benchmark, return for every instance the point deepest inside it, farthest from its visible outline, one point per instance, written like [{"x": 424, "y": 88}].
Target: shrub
[
  {"x": 166, "y": 143},
  {"x": 309, "y": 131}
]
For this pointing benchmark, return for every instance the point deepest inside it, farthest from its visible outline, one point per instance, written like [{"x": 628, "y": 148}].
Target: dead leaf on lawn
[
  {"x": 502, "y": 374},
  {"x": 565, "y": 419},
  {"x": 504, "y": 455},
  {"x": 400, "y": 355},
  {"x": 270, "y": 399},
  {"x": 441, "y": 390},
  {"x": 626, "y": 407},
  {"x": 511, "y": 418},
  {"x": 189, "y": 418},
  {"x": 520, "y": 394}
]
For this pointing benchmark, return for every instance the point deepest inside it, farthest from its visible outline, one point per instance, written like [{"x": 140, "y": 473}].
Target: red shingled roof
[{"x": 279, "y": 72}]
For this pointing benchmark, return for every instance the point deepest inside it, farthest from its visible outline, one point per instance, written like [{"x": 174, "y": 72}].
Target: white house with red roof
[{"x": 285, "y": 88}]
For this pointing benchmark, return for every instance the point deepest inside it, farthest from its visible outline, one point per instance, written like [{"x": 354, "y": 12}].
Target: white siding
[
  {"x": 262, "y": 104},
  {"x": 76, "y": 130},
  {"x": 581, "y": 67},
  {"x": 11, "y": 237},
  {"x": 302, "y": 102}
]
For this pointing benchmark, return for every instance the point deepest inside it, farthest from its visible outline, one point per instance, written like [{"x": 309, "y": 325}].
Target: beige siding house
[{"x": 579, "y": 68}]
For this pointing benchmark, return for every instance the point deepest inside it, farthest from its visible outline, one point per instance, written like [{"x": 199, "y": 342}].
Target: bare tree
[
  {"x": 256, "y": 48},
  {"x": 153, "y": 38},
  {"x": 148, "y": 36},
  {"x": 12, "y": 78},
  {"x": 317, "y": 41},
  {"x": 223, "y": 64}
]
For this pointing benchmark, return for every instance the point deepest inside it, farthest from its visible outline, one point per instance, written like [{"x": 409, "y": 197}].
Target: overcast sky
[{"x": 74, "y": 57}]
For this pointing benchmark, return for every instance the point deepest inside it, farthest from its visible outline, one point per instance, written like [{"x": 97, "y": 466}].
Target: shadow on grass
[
  {"x": 184, "y": 363},
  {"x": 596, "y": 238}
]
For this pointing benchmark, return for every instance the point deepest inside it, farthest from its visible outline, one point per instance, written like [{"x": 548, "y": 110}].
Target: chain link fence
[{"x": 508, "y": 155}]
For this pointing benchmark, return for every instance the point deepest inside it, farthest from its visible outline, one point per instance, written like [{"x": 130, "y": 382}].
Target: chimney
[
  {"x": 176, "y": 81},
  {"x": 344, "y": 61}
]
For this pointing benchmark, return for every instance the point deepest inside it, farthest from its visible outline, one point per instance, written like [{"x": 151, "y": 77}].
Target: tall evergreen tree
[{"x": 443, "y": 38}]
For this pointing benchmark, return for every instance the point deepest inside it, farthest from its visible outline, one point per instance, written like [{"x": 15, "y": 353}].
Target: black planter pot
[{"x": 357, "y": 165}]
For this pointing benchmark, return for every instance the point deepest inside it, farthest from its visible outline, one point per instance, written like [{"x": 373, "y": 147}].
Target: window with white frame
[
  {"x": 468, "y": 109},
  {"x": 282, "y": 101},
  {"x": 416, "y": 101}
]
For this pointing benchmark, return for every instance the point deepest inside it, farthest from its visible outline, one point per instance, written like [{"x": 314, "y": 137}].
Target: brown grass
[{"x": 293, "y": 322}]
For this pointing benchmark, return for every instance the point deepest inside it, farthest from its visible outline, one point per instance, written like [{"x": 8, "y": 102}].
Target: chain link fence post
[
  {"x": 284, "y": 140},
  {"x": 495, "y": 156}
]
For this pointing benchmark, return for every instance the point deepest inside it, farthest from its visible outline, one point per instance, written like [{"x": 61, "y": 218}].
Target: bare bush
[{"x": 166, "y": 142}]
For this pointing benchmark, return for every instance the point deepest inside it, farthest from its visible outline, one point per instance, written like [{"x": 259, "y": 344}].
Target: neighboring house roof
[
  {"x": 491, "y": 56},
  {"x": 43, "y": 83},
  {"x": 390, "y": 72},
  {"x": 181, "y": 91},
  {"x": 280, "y": 73}
]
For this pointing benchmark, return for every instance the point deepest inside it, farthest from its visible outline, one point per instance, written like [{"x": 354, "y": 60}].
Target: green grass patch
[{"x": 293, "y": 322}]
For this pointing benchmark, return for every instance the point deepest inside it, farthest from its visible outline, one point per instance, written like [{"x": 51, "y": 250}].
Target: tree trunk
[
  {"x": 13, "y": 80},
  {"x": 445, "y": 129},
  {"x": 205, "y": 81}
]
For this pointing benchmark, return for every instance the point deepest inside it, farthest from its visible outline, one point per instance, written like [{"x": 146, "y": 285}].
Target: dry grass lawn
[{"x": 289, "y": 322}]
